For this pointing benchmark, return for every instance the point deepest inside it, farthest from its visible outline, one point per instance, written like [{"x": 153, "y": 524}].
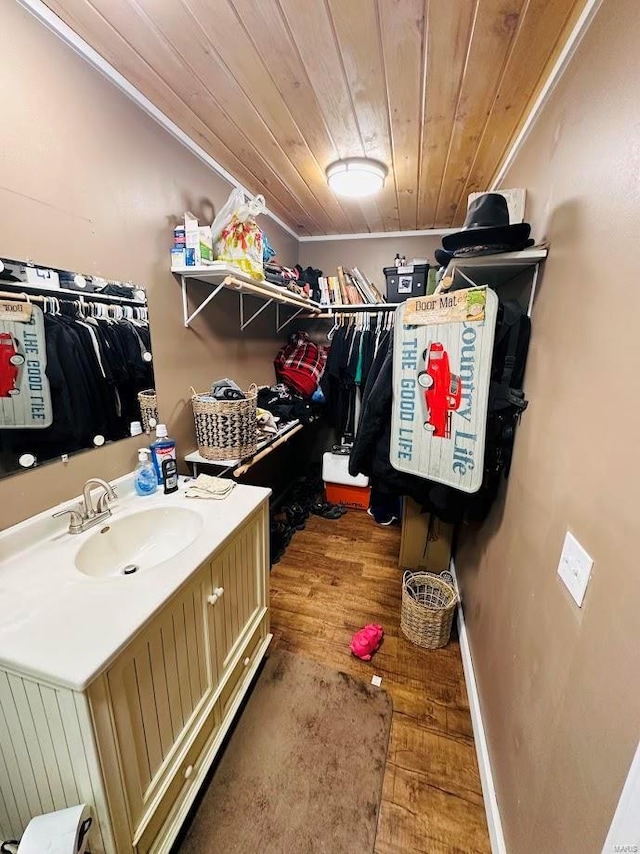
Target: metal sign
[
  {"x": 443, "y": 347},
  {"x": 25, "y": 399}
]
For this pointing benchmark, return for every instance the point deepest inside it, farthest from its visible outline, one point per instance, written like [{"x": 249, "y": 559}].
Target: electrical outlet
[{"x": 575, "y": 568}]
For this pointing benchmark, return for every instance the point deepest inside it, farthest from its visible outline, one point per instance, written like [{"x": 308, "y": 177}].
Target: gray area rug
[{"x": 302, "y": 772}]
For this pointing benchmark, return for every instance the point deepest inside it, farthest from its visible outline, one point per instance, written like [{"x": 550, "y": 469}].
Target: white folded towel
[{"x": 207, "y": 486}]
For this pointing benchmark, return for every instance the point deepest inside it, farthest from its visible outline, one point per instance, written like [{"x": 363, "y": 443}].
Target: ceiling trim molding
[
  {"x": 83, "y": 49},
  {"x": 581, "y": 26},
  {"x": 425, "y": 232}
]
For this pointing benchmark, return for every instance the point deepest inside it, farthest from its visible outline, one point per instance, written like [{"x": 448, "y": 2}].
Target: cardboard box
[
  {"x": 178, "y": 258},
  {"x": 198, "y": 246},
  {"x": 426, "y": 541}
]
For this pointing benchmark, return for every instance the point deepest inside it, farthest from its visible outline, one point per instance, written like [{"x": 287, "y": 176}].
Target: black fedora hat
[
  {"x": 486, "y": 229},
  {"x": 443, "y": 257}
]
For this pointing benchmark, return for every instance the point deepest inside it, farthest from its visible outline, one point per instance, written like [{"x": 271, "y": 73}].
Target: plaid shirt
[{"x": 300, "y": 364}]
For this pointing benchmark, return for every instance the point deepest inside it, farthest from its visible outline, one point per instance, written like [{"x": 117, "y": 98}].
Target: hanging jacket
[
  {"x": 370, "y": 452},
  {"x": 300, "y": 364},
  {"x": 95, "y": 369}
]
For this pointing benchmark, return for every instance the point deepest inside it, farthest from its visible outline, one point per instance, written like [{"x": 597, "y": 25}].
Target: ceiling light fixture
[{"x": 356, "y": 176}]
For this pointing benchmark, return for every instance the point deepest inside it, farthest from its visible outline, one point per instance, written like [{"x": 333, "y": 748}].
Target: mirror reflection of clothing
[{"x": 95, "y": 369}]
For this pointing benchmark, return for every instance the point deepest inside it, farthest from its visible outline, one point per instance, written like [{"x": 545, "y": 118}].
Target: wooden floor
[{"x": 336, "y": 577}]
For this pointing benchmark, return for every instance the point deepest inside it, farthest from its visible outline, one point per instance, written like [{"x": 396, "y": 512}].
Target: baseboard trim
[{"x": 482, "y": 750}]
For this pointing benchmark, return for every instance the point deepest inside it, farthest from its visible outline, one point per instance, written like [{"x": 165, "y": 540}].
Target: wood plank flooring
[{"x": 335, "y": 577}]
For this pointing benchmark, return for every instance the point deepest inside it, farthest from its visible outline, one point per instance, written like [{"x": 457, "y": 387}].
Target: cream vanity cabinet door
[
  {"x": 152, "y": 714},
  {"x": 161, "y": 710},
  {"x": 239, "y": 600}
]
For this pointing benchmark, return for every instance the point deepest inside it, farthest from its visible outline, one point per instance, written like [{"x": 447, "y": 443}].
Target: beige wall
[
  {"x": 370, "y": 254},
  {"x": 559, "y": 685},
  {"x": 89, "y": 183}
]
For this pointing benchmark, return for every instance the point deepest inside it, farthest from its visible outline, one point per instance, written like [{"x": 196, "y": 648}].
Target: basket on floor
[
  {"x": 225, "y": 429},
  {"x": 148, "y": 403},
  {"x": 428, "y": 605}
]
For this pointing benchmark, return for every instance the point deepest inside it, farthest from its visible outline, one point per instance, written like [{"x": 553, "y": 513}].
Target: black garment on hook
[
  {"x": 95, "y": 370},
  {"x": 371, "y": 448},
  {"x": 351, "y": 357}
]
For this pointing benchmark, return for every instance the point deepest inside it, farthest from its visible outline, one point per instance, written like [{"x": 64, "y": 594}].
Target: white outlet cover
[{"x": 575, "y": 568}]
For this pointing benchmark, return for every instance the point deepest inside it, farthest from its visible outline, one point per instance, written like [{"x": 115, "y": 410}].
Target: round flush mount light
[{"x": 356, "y": 176}]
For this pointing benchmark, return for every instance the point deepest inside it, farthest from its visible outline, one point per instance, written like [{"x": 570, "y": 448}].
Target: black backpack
[{"x": 506, "y": 403}]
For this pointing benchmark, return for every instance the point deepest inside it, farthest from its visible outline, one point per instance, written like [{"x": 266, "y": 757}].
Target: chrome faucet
[
  {"x": 108, "y": 494},
  {"x": 84, "y": 516}
]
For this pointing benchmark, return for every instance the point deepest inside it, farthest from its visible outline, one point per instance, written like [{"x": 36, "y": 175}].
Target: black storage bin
[{"x": 405, "y": 282}]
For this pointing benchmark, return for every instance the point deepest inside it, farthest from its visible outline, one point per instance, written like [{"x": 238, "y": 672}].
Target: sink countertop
[{"x": 64, "y": 627}]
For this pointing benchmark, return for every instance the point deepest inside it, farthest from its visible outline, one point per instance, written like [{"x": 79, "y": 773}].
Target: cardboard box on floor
[{"x": 426, "y": 541}]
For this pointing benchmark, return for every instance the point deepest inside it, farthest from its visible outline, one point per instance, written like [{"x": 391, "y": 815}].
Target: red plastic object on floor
[{"x": 365, "y": 642}]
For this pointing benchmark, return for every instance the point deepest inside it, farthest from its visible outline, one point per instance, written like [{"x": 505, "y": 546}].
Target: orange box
[{"x": 356, "y": 497}]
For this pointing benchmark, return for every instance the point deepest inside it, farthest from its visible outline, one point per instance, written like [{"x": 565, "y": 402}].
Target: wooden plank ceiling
[{"x": 275, "y": 90}]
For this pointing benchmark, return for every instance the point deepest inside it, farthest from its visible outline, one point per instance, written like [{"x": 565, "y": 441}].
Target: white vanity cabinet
[{"x": 137, "y": 743}]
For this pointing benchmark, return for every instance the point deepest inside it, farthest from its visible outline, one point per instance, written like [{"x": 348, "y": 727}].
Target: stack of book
[{"x": 348, "y": 287}]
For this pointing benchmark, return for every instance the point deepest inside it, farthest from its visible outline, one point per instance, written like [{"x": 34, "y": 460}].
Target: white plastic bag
[
  {"x": 251, "y": 209},
  {"x": 241, "y": 239},
  {"x": 235, "y": 201}
]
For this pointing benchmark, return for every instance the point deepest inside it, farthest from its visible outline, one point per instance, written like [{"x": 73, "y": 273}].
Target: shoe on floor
[
  {"x": 384, "y": 519},
  {"x": 296, "y": 516},
  {"x": 327, "y": 510}
]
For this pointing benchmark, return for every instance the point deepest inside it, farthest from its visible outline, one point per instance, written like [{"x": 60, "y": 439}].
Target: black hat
[
  {"x": 486, "y": 229},
  {"x": 443, "y": 257}
]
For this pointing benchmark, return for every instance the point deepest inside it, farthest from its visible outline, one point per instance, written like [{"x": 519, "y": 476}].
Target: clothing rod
[
  {"x": 244, "y": 468},
  {"x": 333, "y": 311},
  {"x": 24, "y": 295},
  {"x": 362, "y": 306},
  {"x": 334, "y": 315}
]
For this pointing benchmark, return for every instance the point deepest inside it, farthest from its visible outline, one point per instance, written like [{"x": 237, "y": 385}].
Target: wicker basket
[
  {"x": 428, "y": 605},
  {"x": 225, "y": 429},
  {"x": 148, "y": 409}
]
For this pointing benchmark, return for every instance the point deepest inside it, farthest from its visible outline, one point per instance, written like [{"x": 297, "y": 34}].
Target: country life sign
[
  {"x": 25, "y": 398},
  {"x": 443, "y": 346}
]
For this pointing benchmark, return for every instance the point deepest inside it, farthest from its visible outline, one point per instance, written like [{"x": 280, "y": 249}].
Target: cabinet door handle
[
  {"x": 247, "y": 662},
  {"x": 219, "y": 591},
  {"x": 212, "y": 599},
  {"x": 188, "y": 771}
]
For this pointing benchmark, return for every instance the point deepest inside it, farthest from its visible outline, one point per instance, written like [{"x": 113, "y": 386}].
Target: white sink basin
[{"x": 123, "y": 547}]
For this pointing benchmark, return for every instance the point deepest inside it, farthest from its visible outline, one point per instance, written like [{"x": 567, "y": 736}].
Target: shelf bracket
[
  {"x": 243, "y": 323},
  {"x": 188, "y": 318},
  {"x": 534, "y": 285},
  {"x": 260, "y": 290},
  {"x": 281, "y": 326}
]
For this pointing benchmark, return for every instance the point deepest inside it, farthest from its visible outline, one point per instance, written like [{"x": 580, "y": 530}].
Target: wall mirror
[{"x": 76, "y": 367}]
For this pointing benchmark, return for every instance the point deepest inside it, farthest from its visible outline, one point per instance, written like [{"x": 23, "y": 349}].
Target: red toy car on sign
[
  {"x": 443, "y": 390},
  {"x": 11, "y": 361}
]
